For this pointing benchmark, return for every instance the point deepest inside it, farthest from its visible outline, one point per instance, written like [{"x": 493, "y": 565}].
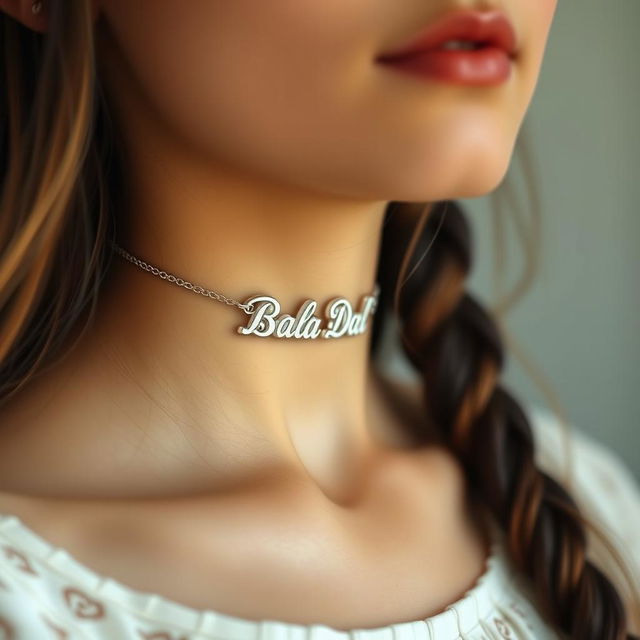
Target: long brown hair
[{"x": 61, "y": 172}]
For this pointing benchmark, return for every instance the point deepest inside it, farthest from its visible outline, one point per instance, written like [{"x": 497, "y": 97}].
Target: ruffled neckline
[{"x": 492, "y": 586}]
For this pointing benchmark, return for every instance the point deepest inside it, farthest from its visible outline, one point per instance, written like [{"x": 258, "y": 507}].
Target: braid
[{"x": 456, "y": 346}]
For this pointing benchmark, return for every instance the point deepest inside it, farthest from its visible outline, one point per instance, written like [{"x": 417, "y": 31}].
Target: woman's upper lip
[{"x": 488, "y": 27}]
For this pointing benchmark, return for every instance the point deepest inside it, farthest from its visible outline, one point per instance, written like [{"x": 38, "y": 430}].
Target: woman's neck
[{"x": 305, "y": 400}]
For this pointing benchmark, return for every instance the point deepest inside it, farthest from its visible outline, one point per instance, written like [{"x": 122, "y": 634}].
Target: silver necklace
[{"x": 264, "y": 314}]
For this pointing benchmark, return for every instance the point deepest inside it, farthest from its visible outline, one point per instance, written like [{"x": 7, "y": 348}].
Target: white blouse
[{"x": 45, "y": 594}]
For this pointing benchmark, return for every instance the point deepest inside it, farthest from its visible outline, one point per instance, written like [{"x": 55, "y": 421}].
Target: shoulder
[{"x": 595, "y": 475}]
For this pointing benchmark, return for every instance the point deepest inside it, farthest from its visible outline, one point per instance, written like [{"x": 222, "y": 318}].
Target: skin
[{"x": 263, "y": 144}]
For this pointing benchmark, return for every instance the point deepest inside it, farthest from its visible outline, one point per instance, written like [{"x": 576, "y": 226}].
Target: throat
[{"x": 340, "y": 459}]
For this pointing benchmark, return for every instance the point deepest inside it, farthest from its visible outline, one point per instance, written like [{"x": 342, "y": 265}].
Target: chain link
[{"x": 247, "y": 308}]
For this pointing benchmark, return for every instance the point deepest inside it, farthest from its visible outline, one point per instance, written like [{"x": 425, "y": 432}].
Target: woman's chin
[{"x": 431, "y": 186}]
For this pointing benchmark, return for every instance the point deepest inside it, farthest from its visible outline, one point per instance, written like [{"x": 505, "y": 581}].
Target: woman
[{"x": 233, "y": 464}]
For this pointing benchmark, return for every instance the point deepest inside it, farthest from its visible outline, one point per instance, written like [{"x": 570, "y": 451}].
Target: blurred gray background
[{"x": 579, "y": 322}]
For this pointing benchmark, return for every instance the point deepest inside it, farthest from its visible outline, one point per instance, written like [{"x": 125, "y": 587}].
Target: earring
[{"x": 36, "y": 7}]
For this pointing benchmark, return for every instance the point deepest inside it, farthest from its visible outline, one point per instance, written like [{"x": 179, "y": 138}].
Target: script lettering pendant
[{"x": 341, "y": 320}]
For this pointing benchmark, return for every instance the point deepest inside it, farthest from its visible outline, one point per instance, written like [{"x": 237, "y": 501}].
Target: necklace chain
[
  {"x": 247, "y": 308},
  {"x": 265, "y": 320}
]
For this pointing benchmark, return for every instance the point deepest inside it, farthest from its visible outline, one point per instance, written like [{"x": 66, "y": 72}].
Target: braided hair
[{"x": 456, "y": 347}]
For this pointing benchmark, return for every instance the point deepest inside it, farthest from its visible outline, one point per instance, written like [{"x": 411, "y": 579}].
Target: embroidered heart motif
[
  {"x": 6, "y": 630},
  {"x": 19, "y": 560},
  {"x": 503, "y": 628},
  {"x": 60, "y": 633},
  {"x": 82, "y": 605},
  {"x": 159, "y": 635}
]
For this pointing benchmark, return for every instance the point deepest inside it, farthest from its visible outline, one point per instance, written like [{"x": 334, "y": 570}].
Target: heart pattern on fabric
[
  {"x": 82, "y": 605},
  {"x": 19, "y": 560},
  {"x": 503, "y": 628}
]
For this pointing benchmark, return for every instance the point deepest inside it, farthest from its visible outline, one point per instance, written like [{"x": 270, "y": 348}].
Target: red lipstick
[{"x": 462, "y": 47}]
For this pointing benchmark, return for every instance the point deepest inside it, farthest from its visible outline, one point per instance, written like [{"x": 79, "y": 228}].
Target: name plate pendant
[{"x": 266, "y": 320}]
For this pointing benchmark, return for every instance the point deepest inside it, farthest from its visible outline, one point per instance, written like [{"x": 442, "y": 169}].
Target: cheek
[
  {"x": 243, "y": 80},
  {"x": 289, "y": 89}
]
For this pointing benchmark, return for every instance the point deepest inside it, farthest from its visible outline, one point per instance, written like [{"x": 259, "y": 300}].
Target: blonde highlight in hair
[{"x": 53, "y": 215}]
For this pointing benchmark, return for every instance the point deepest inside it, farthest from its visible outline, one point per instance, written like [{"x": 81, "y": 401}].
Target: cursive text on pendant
[{"x": 266, "y": 320}]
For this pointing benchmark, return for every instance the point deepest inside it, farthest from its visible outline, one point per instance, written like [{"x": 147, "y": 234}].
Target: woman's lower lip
[{"x": 478, "y": 67}]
